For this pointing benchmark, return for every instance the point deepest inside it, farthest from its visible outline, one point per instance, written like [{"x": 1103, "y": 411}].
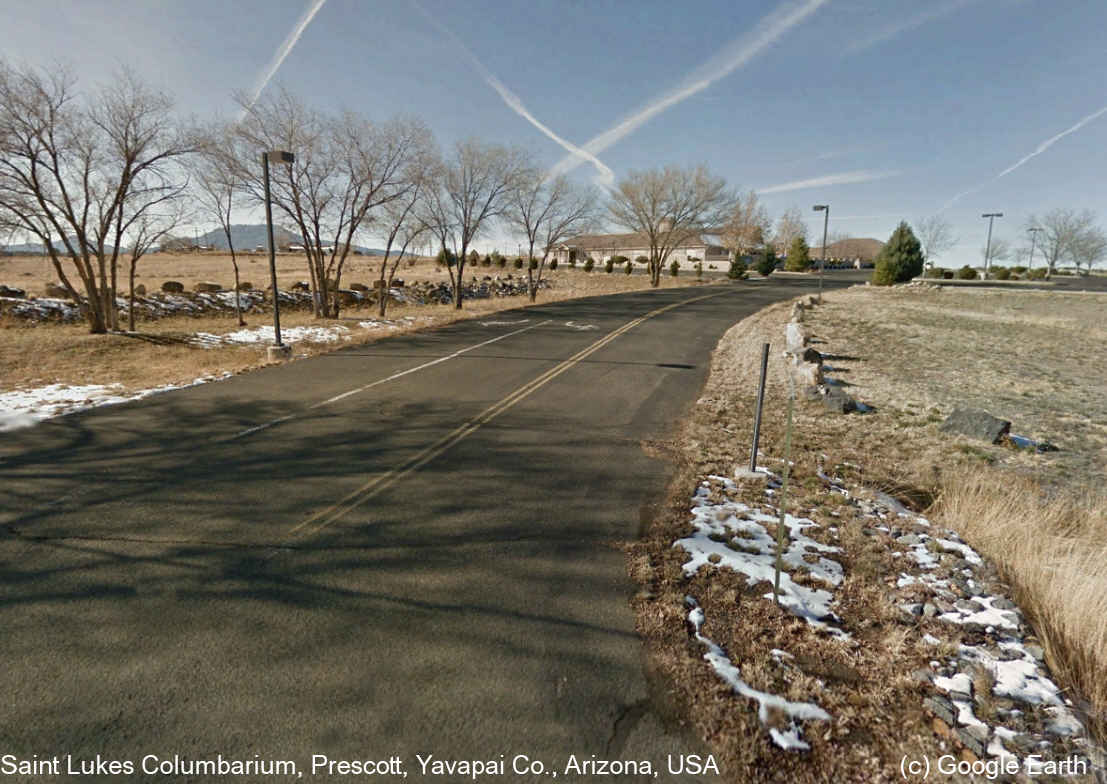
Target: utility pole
[{"x": 991, "y": 216}]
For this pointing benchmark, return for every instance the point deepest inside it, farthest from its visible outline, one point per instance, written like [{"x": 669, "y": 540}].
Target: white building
[{"x": 702, "y": 247}]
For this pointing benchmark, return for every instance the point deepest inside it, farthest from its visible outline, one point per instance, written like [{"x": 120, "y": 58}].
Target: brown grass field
[
  {"x": 33, "y": 355},
  {"x": 1041, "y": 519}
]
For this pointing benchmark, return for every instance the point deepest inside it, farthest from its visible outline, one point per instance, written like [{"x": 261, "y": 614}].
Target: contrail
[
  {"x": 606, "y": 175},
  {"x": 843, "y": 178},
  {"x": 1053, "y": 140},
  {"x": 730, "y": 58},
  {"x": 1037, "y": 151},
  {"x": 282, "y": 52},
  {"x": 910, "y": 23}
]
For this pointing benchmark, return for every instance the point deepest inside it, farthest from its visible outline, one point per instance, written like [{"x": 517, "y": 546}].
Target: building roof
[
  {"x": 619, "y": 242},
  {"x": 864, "y": 248}
]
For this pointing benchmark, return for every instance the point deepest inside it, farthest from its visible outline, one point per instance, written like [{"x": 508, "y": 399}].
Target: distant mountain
[{"x": 248, "y": 237}]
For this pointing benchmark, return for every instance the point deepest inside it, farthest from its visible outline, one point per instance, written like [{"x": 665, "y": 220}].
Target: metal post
[
  {"x": 822, "y": 264},
  {"x": 760, "y": 403},
  {"x": 272, "y": 254}
]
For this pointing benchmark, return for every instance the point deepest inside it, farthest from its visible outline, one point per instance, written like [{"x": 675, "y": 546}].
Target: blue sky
[{"x": 896, "y": 109}]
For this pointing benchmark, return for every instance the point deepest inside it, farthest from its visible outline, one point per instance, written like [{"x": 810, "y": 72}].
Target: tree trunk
[
  {"x": 237, "y": 293},
  {"x": 131, "y": 299},
  {"x": 112, "y": 309},
  {"x": 460, "y": 263}
]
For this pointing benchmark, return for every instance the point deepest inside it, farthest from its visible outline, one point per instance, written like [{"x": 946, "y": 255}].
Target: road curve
[{"x": 408, "y": 547}]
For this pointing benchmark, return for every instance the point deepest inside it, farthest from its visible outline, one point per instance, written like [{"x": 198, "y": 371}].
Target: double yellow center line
[{"x": 325, "y": 517}]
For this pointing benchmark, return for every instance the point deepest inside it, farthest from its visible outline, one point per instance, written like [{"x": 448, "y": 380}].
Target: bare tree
[
  {"x": 77, "y": 175},
  {"x": 548, "y": 212},
  {"x": 1000, "y": 250},
  {"x": 1060, "y": 229},
  {"x": 936, "y": 236},
  {"x": 147, "y": 233},
  {"x": 215, "y": 188},
  {"x": 471, "y": 190},
  {"x": 669, "y": 207},
  {"x": 789, "y": 226},
  {"x": 345, "y": 168},
  {"x": 748, "y": 225},
  {"x": 1088, "y": 248}
]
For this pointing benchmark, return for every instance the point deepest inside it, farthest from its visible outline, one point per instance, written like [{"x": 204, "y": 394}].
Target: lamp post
[
  {"x": 278, "y": 350},
  {"x": 991, "y": 216},
  {"x": 1033, "y": 239},
  {"x": 825, "y": 210}
]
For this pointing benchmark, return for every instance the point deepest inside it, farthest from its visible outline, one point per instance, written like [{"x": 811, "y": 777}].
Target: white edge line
[{"x": 393, "y": 377}]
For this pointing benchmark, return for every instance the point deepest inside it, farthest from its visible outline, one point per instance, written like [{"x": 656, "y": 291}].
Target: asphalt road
[{"x": 428, "y": 565}]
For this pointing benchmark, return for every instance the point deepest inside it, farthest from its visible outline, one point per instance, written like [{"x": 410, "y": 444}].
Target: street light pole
[
  {"x": 991, "y": 216},
  {"x": 825, "y": 210},
  {"x": 278, "y": 350},
  {"x": 1033, "y": 239}
]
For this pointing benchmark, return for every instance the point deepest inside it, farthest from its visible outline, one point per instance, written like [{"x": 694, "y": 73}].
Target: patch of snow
[
  {"x": 930, "y": 639},
  {"x": 788, "y": 739},
  {"x": 967, "y": 552},
  {"x": 989, "y": 616}
]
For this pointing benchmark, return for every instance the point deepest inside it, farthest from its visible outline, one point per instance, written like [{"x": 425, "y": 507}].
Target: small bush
[
  {"x": 966, "y": 273},
  {"x": 699, "y": 270},
  {"x": 518, "y": 262},
  {"x": 674, "y": 268},
  {"x": 1036, "y": 274},
  {"x": 628, "y": 267},
  {"x": 572, "y": 261},
  {"x": 473, "y": 258},
  {"x": 766, "y": 262},
  {"x": 533, "y": 263},
  {"x": 609, "y": 265},
  {"x": 502, "y": 262},
  {"x": 486, "y": 261},
  {"x": 445, "y": 258},
  {"x": 619, "y": 260},
  {"x": 947, "y": 274},
  {"x": 1002, "y": 273},
  {"x": 642, "y": 259},
  {"x": 799, "y": 256},
  {"x": 934, "y": 273},
  {"x": 590, "y": 264},
  {"x": 737, "y": 269},
  {"x": 1019, "y": 270},
  {"x": 553, "y": 263}
]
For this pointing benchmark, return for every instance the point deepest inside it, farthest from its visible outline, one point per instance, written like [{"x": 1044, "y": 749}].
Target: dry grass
[
  {"x": 38, "y": 354},
  {"x": 1054, "y": 552}
]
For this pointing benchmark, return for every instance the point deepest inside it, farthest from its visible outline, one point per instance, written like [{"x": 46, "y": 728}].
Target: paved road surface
[{"x": 429, "y": 565}]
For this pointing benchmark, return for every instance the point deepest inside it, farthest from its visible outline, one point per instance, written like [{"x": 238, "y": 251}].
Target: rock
[
  {"x": 1003, "y": 603},
  {"x": 359, "y": 287},
  {"x": 245, "y": 286},
  {"x": 909, "y": 539},
  {"x": 140, "y": 290},
  {"x": 975, "y": 738},
  {"x": 976, "y": 424},
  {"x": 172, "y": 287},
  {"x": 806, "y": 374},
  {"x": 378, "y": 284},
  {"x": 11, "y": 291},
  {"x": 206, "y": 286},
  {"x": 922, "y": 675},
  {"x": 941, "y": 708},
  {"x": 398, "y": 283},
  {"x": 838, "y": 401},
  {"x": 812, "y": 300},
  {"x": 56, "y": 290},
  {"x": 301, "y": 285},
  {"x": 1035, "y": 651},
  {"x": 797, "y": 312},
  {"x": 929, "y": 610},
  {"x": 795, "y": 338},
  {"x": 968, "y": 605}
]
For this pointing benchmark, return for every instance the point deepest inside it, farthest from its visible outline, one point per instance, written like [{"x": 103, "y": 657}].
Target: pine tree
[
  {"x": 799, "y": 256},
  {"x": 900, "y": 259}
]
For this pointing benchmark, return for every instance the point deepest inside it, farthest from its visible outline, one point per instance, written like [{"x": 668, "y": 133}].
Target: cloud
[
  {"x": 842, "y": 178},
  {"x": 605, "y": 175},
  {"x": 732, "y": 57},
  {"x": 1037, "y": 151},
  {"x": 282, "y": 52},
  {"x": 918, "y": 20}
]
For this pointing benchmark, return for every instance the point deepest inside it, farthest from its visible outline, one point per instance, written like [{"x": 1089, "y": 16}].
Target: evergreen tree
[
  {"x": 799, "y": 256},
  {"x": 766, "y": 261},
  {"x": 900, "y": 259}
]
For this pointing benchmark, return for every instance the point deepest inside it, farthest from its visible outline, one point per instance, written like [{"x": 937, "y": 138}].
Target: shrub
[
  {"x": 572, "y": 260},
  {"x": 619, "y": 260},
  {"x": 766, "y": 262},
  {"x": 799, "y": 256},
  {"x": 642, "y": 259},
  {"x": 445, "y": 258},
  {"x": 1002, "y": 273},
  {"x": 553, "y": 263},
  {"x": 533, "y": 263},
  {"x": 486, "y": 261},
  {"x": 609, "y": 265},
  {"x": 502, "y": 261},
  {"x": 737, "y": 269},
  {"x": 1019, "y": 270},
  {"x": 474, "y": 258},
  {"x": 966, "y": 273},
  {"x": 674, "y": 268},
  {"x": 1036, "y": 274},
  {"x": 699, "y": 270},
  {"x": 628, "y": 267},
  {"x": 590, "y": 264},
  {"x": 900, "y": 259},
  {"x": 936, "y": 272},
  {"x": 518, "y": 262},
  {"x": 947, "y": 274}
]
